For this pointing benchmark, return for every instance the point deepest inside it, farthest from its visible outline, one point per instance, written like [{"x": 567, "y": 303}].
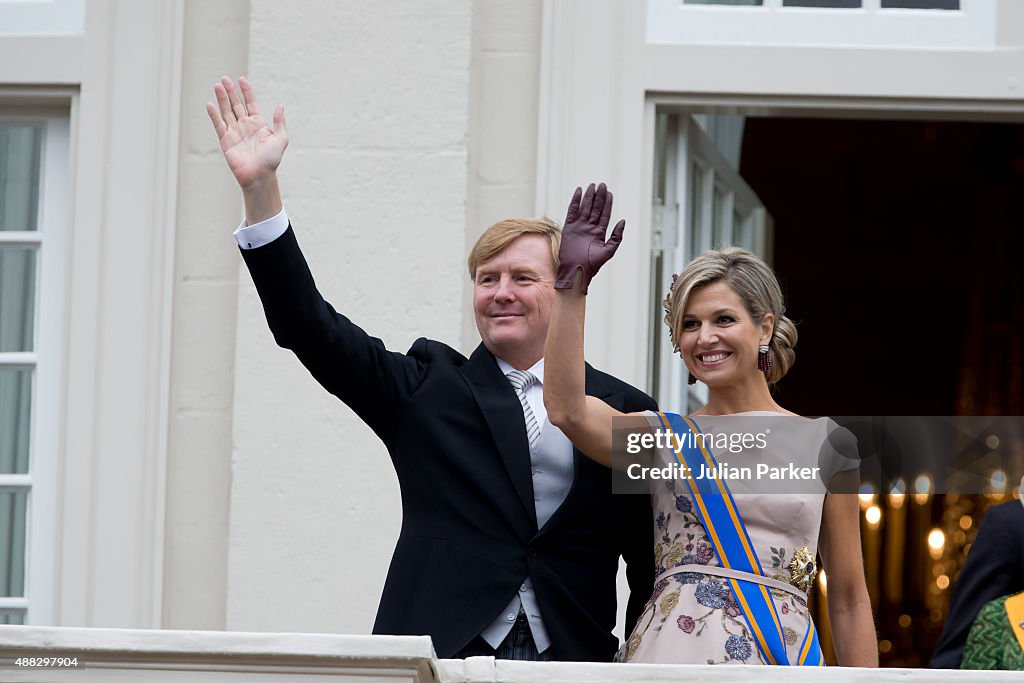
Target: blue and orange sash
[{"x": 717, "y": 511}]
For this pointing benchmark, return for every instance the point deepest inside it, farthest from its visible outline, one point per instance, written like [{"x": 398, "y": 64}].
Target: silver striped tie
[{"x": 521, "y": 381}]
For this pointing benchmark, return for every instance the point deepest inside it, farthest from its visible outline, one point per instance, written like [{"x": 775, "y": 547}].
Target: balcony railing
[{"x": 54, "y": 655}]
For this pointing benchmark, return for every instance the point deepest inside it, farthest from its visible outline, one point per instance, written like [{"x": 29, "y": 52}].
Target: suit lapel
[{"x": 504, "y": 415}]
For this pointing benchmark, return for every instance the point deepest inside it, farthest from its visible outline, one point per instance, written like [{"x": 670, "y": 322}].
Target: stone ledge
[
  {"x": 407, "y": 658},
  {"x": 193, "y": 656}
]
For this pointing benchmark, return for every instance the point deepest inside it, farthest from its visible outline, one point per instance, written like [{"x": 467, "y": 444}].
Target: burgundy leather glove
[{"x": 583, "y": 244}]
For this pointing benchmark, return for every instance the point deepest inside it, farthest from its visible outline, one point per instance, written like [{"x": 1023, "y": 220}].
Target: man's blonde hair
[{"x": 497, "y": 237}]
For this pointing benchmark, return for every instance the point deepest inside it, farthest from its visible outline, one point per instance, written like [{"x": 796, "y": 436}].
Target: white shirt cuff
[{"x": 265, "y": 232}]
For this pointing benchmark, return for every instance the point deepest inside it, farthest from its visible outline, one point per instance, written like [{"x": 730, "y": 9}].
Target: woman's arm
[
  {"x": 586, "y": 420},
  {"x": 849, "y": 608}
]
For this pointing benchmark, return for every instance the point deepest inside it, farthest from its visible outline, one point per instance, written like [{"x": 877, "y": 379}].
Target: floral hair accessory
[{"x": 667, "y": 305}]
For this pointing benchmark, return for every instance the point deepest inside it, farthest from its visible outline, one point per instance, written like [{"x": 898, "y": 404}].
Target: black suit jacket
[
  {"x": 457, "y": 438},
  {"x": 994, "y": 567}
]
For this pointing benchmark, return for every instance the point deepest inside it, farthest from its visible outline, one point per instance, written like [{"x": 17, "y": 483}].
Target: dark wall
[{"x": 900, "y": 249}]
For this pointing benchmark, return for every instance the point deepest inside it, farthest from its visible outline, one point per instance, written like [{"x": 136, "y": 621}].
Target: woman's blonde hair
[{"x": 756, "y": 285}]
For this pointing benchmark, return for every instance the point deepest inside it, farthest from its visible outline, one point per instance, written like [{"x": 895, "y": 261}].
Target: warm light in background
[
  {"x": 966, "y": 522},
  {"x": 942, "y": 582},
  {"x": 936, "y": 542},
  {"x": 992, "y": 441},
  {"x": 922, "y": 489},
  {"x": 873, "y": 515},
  {"x": 866, "y": 495},
  {"x": 897, "y": 494}
]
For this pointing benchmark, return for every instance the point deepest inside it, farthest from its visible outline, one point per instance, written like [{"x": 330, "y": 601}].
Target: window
[
  {"x": 956, "y": 24},
  {"x": 700, "y": 203},
  {"x": 848, "y": 4},
  {"x": 33, "y": 170},
  {"x": 35, "y": 18}
]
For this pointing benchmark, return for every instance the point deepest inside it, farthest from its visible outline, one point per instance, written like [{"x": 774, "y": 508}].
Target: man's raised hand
[{"x": 252, "y": 149}]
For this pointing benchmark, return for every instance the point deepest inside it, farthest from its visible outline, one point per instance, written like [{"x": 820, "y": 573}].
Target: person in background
[{"x": 993, "y": 570}]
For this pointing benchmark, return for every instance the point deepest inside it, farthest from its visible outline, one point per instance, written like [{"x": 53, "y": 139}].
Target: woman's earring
[
  {"x": 764, "y": 359},
  {"x": 690, "y": 379}
]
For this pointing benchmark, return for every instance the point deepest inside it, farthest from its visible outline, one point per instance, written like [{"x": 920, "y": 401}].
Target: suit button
[
  {"x": 522, "y": 589},
  {"x": 510, "y": 617},
  {"x": 533, "y": 552}
]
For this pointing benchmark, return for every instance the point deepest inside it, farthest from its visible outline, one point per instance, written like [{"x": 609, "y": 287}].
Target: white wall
[
  {"x": 504, "y": 96},
  {"x": 375, "y": 178},
  {"x": 202, "y": 362}
]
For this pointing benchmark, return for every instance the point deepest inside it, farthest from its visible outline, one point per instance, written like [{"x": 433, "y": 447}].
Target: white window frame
[
  {"x": 680, "y": 236},
  {"x": 50, "y": 238},
  {"x": 972, "y": 27},
  {"x": 42, "y": 17}
]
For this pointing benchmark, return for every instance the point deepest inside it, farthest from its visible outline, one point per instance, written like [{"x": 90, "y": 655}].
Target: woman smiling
[{"x": 732, "y": 571}]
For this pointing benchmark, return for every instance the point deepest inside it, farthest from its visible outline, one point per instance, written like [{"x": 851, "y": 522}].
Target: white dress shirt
[{"x": 552, "y": 468}]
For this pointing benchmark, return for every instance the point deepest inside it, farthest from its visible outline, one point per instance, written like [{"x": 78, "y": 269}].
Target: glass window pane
[
  {"x": 14, "y": 617},
  {"x": 660, "y": 154},
  {"x": 17, "y": 298},
  {"x": 921, "y": 4},
  {"x": 742, "y": 233},
  {"x": 15, "y": 418},
  {"x": 20, "y": 157},
  {"x": 718, "y": 219},
  {"x": 831, "y": 4},
  {"x": 696, "y": 210},
  {"x": 726, "y": 131},
  {"x": 13, "y": 505}
]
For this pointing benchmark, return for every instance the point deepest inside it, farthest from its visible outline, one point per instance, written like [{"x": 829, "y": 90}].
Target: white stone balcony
[{"x": 123, "y": 656}]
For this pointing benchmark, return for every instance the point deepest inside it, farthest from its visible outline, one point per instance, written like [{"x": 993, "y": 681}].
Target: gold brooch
[{"x": 802, "y": 569}]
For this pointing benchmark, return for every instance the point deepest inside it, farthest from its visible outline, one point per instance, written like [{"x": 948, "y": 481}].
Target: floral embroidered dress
[{"x": 692, "y": 616}]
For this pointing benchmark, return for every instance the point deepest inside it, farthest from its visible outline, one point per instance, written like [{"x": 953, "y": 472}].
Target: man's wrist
[{"x": 262, "y": 199}]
